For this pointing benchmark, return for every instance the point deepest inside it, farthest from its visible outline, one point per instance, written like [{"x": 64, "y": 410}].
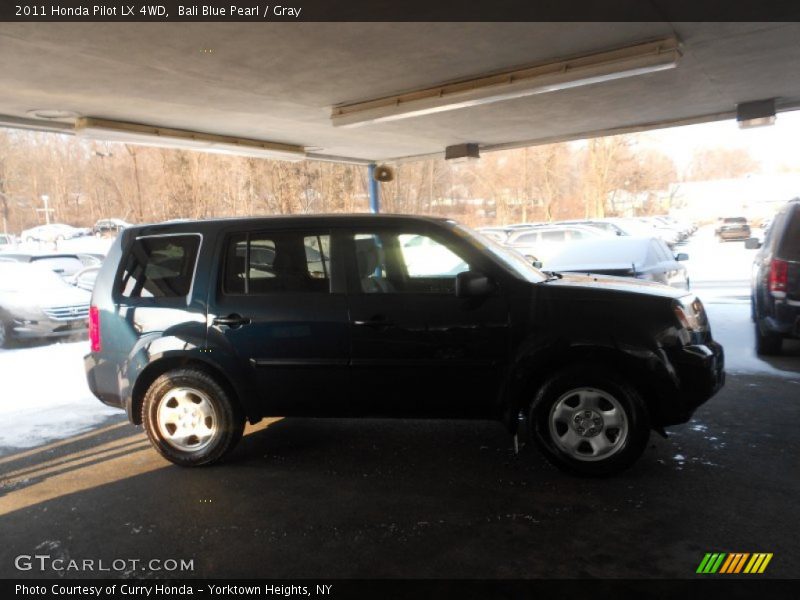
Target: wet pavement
[{"x": 380, "y": 498}]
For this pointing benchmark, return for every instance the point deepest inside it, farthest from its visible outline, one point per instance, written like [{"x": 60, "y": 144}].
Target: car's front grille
[{"x": 67, "y": 313}]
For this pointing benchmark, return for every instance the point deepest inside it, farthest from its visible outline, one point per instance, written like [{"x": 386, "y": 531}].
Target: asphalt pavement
[{"x": 431, "y": 499}]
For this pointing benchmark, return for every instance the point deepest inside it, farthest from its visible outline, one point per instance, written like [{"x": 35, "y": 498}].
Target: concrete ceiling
[{"x": 278, "y": 81}]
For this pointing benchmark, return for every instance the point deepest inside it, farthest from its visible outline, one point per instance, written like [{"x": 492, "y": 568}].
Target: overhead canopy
[{"x": 278, "y": 82}]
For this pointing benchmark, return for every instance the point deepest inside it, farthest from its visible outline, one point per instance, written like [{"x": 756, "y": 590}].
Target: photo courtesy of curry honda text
[{"x": 199, "y": 326}]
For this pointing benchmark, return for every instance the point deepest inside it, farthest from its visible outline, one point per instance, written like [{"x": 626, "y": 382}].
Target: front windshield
[{"x": 511, "y": 260}]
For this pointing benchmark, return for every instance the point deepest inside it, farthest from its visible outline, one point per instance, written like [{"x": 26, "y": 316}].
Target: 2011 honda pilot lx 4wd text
[{"x": 197, "y": 327}]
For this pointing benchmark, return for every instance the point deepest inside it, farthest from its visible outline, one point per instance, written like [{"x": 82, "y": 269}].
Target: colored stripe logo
[{"x": 734, "y": 562}]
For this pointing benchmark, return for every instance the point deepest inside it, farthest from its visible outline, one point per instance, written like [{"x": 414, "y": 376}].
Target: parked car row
[
  {"x": 634, "y": 247},
  {"x": 58, "y": 232},
  {"x": 668, "y": 229}
]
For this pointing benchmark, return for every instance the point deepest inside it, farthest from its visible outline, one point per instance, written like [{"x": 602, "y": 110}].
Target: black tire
[
  {"x": 625, "y": 447},
  {"x": 767, "y": 344},
  {"x": 226, "y": 417}
]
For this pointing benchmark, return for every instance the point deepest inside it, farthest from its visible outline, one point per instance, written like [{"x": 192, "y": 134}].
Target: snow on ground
[{"x": 44, "y": 395}]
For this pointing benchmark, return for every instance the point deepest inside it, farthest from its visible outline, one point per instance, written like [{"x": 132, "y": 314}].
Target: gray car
[
  {"x": 37, "y": 303},
  {"x": 642, "y": 258}
]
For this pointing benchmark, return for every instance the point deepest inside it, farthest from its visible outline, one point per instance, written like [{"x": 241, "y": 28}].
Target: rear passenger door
[{"x": 279, "y": 314}]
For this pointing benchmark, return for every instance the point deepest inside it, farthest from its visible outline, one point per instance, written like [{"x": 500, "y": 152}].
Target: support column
[{"x": 374, "y": 190}]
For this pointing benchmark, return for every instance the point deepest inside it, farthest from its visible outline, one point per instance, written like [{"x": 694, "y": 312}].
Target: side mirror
[
  {"x": 752, "y": 244},
  {"x": 471, "y": 284},
  {"x": 681, "y": 256},
  {"x": 537, "y": 264}
]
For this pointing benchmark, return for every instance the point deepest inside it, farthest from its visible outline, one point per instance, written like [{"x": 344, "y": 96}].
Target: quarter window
[{"x": 159, "y": 267}]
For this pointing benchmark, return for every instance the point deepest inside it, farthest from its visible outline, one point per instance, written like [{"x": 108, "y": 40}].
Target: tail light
[
  {"x": 778, "y": 276},
  {"x": 94, "y": 328}
]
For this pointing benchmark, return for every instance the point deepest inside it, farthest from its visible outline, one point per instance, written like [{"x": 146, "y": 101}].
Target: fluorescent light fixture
[
  {"x": 755, "y": 114},
  {"x": 538, "y": 79},
  {"x": 161, "y": 137}
]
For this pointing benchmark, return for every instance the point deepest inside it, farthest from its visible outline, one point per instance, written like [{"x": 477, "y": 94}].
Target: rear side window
[
  {"x": 528, "y": 238},
  {"x": 790, "y": 241},
  {"x": 159, "y": 267},
  {"x": 275, "y": 262},
  {"x": 553, "y": 236}
]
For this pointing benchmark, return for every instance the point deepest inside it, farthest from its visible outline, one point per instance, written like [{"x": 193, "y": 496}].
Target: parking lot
[{"x": 430, "y": 499}]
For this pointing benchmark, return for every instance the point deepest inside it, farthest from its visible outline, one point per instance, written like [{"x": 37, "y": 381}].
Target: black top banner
[{"x": 397, "y": 10}]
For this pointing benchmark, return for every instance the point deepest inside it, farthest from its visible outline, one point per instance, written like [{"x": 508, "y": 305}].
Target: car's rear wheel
[
  {"x": 589, "y": 421},
  {"x": 767, "y": 343},
  {"x": 190, "y": 418}
]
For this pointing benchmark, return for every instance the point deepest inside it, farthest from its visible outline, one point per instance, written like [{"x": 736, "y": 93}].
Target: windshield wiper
[{"x": 552, "y": 276}]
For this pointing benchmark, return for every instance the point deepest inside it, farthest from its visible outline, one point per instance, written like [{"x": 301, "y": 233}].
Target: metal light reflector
[
  {"x": 539, "y": 79},
  {"x": 147, "y": 135}
]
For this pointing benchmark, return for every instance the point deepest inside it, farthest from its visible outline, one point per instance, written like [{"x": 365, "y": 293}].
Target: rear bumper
[
  {"x": 734, "y": 235},
  {"x": 700, "y": 371},
  {"x": 103, "y": 380},
  {"x": 785, "y": 320}
]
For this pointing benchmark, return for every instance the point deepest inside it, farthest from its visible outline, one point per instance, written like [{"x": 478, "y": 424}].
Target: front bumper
[
  {"x": 700, "y": 371},
  {"x": 47, "y": 328}
]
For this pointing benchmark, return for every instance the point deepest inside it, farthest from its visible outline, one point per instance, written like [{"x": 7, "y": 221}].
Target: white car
[
  {"x": 540, "y": 242},
  {"x": 54, "y": 232}
]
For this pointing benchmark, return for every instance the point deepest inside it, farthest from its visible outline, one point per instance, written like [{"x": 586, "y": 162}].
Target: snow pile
[{"x": 44, "y": 395}]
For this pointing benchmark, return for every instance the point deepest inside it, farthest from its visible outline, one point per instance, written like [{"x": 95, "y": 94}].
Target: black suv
[
  {"x": 197, "y": 327},
  {"x": 775, "y": 299}
]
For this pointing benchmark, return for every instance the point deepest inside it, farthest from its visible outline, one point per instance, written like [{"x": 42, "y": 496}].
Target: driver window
[
  {"x": 405, "y": 263},
  {"x": 424, "y": 257}
]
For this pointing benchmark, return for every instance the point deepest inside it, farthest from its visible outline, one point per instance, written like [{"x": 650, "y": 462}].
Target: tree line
[{"x": 85, "y": 181}]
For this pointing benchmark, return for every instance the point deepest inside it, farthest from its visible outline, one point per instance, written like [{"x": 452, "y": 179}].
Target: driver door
[{"x": 417, "y": 349}]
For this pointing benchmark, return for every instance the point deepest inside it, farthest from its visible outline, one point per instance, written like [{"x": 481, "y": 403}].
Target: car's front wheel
[
  {"x": 190, "y": 418},
  {"x": 589, "y": 421}
]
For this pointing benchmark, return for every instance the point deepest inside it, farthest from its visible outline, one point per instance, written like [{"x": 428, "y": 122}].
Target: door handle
[
  {"x": 375, "y": 323},
  {"x": 233, "y": 321}
]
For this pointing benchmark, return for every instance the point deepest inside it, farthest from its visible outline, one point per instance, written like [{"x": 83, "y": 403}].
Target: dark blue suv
[
  {"x": 197, "y": 327},
  {"x": 775, "y": 297}
]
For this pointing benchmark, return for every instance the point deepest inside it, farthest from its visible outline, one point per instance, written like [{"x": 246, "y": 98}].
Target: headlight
[{"x": 690, "y": 313}]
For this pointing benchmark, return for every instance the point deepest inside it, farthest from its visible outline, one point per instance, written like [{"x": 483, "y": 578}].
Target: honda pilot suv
[
  {"x": 198, "y": 327},
  {"x": 775, "y": 298}
]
